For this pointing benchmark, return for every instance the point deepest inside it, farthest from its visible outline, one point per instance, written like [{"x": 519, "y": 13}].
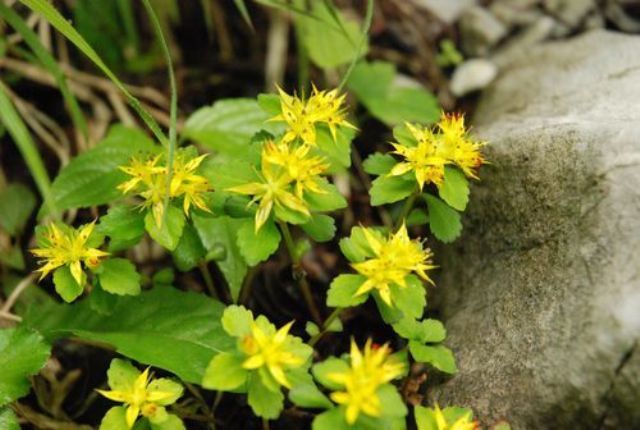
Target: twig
[
  {"x": 325, "y": 326},
  {"x": 9, "y": 316},
  {"x": 15, "y": 294}
]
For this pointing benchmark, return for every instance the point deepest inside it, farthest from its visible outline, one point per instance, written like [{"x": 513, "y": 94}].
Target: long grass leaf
[
  {"x": 365, "y": 34},
  {"x": 44, "y": 8},
  {"x": 49, "y": 63},
  {"x": 22, "y": 138},
  {"x": 242, "y": 7}
]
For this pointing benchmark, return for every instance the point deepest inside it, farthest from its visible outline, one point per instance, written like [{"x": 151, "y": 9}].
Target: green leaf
[
  {"x": 169, "y": 233},
  {"x": 91, "y": 178},
  {"x": 426, "y": 417},
  {"x": 391, "y": 402},
  {"x": 159, "y": 327},
  {"x": 114, "y": 419},
  {"x": 101, "y": 301},
  {"x": 223, "y": 173},
  {"x": 309, "y": 396},
  {"x": 236, "y": 320},
  {"x": 122, "y": 375},
  {"x": 379, "y": 164},
  {"x": 329, "y": 200},
  {"x": 228, "y": 125},
  {"x": 264, "y": 402},
  {"x": 321, "y": 228},
  {"x": 411, "y": 300},
  {"x": 225, "y": 373},
  {"x": 390, "y": 189},
  {"x": 438, "y": 356},
  {"x": 333, "y": 419},
  {"x": 355, "y": 247},
  {"x": 190, "y": 250},
  {"x": 342, "y": 291},
  {"x": 455, "y": 189},
  {"x": 66, "y": 285},
  {"x": 119, "y": 276},
  {"x": 173, "y": 390},
  {"x": 242, "y": 7},
  {"x": 22, "y": 354},
  {"x": 257, "y": 247},
  {"x": 270, "y": 103},
  {"x": 338, "y": 151},
  {"x": 375, "y": 85},
  {"x": 322, "y": 370},
  {"x": 403, "y": 135},
  {"x": 221, "y": 232},
  {"x": 8, "y": 420},
  {"x": 426, "y": 331},
  {"x": 172, "y": 422},
  {"x": 330, "y": 39},
  {"x": 444, "y": 221},
  {"x": 124, "y": 225},
  {"x": 16, "y": 204}
]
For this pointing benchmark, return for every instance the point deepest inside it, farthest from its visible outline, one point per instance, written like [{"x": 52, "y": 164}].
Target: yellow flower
[
  {"x": 460, "y": 148},
  {"x": 270, "y": 349},
  {"x": 141, "y": 398},
  {"x": 150, "y": 182},
  {"x": 302, "y": 116},
  {"x": 395, "y": 258},
  {"x": 462, "y": 423},
  {"x": 275, "y": 189},
  {"x": 369, "y": 369},
  {"x": 434, "y": 150},
  {"x": 68, "y": 247},
  {"x": 303, "y": 169}
]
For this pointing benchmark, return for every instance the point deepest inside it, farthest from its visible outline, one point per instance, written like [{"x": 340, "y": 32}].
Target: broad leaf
[
  {"x": 225, "y": 372},
  {"x": 159, "y": 328},
  {"x": 119, "y": 276},
  {"x": 444, "y": 221},
  {"x": 379, "y": 164},
  {"x": 190, "y": 250},
  {"x": 169, "y": 232},
  {"x": 257, "y": 247},
  {"x": 439, "y": 356},
  {"x": 22, "y": 354},
  {"x": 321, "y": 228},
  {"x": 124, "y": 225},
  {"x": 92, "y": 177},
  {"x": 8, "y": 420},
  {"x": 390, "y": 189},
  {"x": 16, "y": 204},
  {"x": 264, "y": 402},
  {"x": 66, "y": 285},
  {"x": 342, "y": 292},
  {"x": 455, "y": 189}
]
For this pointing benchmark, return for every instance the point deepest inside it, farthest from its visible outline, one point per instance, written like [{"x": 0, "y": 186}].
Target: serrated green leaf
[
  {"x": 379, "y": 164},
  {"x": 169, "y": 233},
  {"x": 124, "y": 225},
  {"x": 309, "y": 396},
  {"x": 172, "y": 422},
  {"x": 374, "y": 84},
  {"x": 122, "y": 375},
  {"x": 390, "y": 189},
  {"x": 236, "y": 320},
  {"x": 329, "y": 200},
  {"x": 355, "y": 247},
  {"x": 114, "y": 419},
  {"x": 16, "y": 204},
  {"x": 426, "y": 331},
  {"x": 8, "y": 420},
  {"x": 338, "y": 151},
  {"x": 322, "y": 370},
  {"x": 264, "y": 402},
  {"x": 225, "y": 373},
  {"x": 342, "y": 292},
  {"x": 91, "y": 178},
  {"x": 333, "y": 419},
  {"x": 391, "y": 403},
  {"x": 224, "y": 174},
  {"x": 22, "y": 354},
  {"x": 270, "y": 104},
  {"x": 190, "y": 250},
  {"x": 159, "y": 327},
  {"x": 444, "y": 221},
  {"x": 403, "y": 135},
  {"x": 329, "y": 37},
  {"x": 455, "y": 188},
  {"x": 257, "y": 247},
  {"x": 321, "y": 228},
  {"x": 221, "y": 232},
  {"x": 426, "y": 417},
  {"x": 411, "y": 300},
  {"x": 66, "y": 285},
  {"x": 439, "y": 356},
  {"x": 119, "y": 276},
  {"x": 228, "y": 126}
]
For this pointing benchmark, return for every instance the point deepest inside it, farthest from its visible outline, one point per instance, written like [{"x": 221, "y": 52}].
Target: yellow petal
[
  {"x": 253, "y": 362},
  {"x": 132, "y": 415},
  {"x": 278, "y": 374},
  {"x": 116, "y": 396},
  {"x": 76, "y": 272},
  {"x": 352, "y": 413}
]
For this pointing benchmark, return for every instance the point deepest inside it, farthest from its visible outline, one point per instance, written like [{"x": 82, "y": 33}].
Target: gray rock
[
  {"x": 570, "y": 12},
  {"x": 541, "y": 295},
  {"x": 446, "y": 10},
  {"x": 515, "y": 14},
  {"x": 472, "y": 75},
  {"x": 521, "y": 44},
  {"x": 480, "y": 31},
  {"x": 614, "y": 11}
]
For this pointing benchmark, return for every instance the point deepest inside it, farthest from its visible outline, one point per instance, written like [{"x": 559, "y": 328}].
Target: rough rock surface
[{"x": 541, "y": 295}]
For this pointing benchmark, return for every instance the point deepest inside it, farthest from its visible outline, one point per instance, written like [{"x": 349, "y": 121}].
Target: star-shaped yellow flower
[
  {"x": 394, "y": 259},
  {"x": 301, "y": 116},
  {"x": 369, "y": 369},
  {"x": 149, "y": 180},
  {"x": 270, "y": 350},
  {"x": 66, "y": 246},
  {"x": 459, "y": 147},
  {"x": 463, "y": 423}
]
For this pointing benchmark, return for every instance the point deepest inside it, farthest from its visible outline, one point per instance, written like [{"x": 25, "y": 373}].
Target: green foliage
[
  {"x": 257, "y": 246},
  {"x": 391, "y": 189},
  {"x": 8, "y": 419},
  {"x": 438, "y": 356},
  {"x": 455, "y": 189},
  {"x": 168, "y": 234},
  {"x": 426, "y": 418},
  {"x": 444, "y": 221},
  {"x": 321, "y": 228},
  {"x": 124, "y": 225},
  {"x": 22, "y": 354},
  {"x": 92, "y": 177},
  {"x": 342, "y": 292},
  {"x": 66, "y": 285},
  {"x": 190, "y": 251},
  {"x": 119, "y": 276},
  {"x": 16, "y": 205},
  {"x": 377, "y": 88},
  {"x": 159, "y": 327}
]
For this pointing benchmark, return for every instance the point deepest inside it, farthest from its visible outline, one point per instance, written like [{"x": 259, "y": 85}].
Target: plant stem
[
  {"x": 303, "y": 62},
  {"x": 298, "y": 272},
  {"x": 265, "y": 424},
  {"x": 245, "y": 290},
  {"x": 325, "y": 326},
  {"x": 208, "y": 280},
  {"x": 406, "y": 209}
]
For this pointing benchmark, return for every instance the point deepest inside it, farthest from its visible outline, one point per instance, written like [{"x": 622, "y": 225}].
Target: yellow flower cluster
[
  {"x": 288, "y": 168},
  {"x": 149, "y": 180},
  {"x": 270, "y": 350},
  {"x": 395, "y": 258},
  {"x": 369, "y": 370},
  {"x": 449, "y": 144},
  {"x": 68, "y": 247}
]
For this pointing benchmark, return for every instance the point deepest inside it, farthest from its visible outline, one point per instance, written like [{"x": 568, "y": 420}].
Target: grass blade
[
  {"x": 48, "y": 12},
  {"x": 242, "y": 7},
  {"x": 365, "y": 33},
  {"x": 21, "y": 136},
  {"x": 49, "y": 63}
]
